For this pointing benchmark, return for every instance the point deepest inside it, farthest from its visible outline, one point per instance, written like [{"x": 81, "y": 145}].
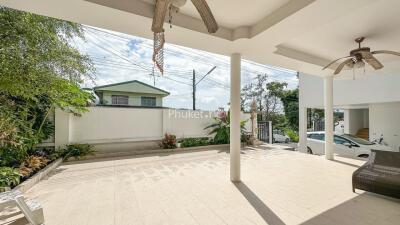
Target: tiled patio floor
[{"x": 279, "y": 187}]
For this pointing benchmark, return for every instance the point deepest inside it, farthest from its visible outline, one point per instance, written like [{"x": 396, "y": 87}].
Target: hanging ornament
[{"x": 158, "y": 51}]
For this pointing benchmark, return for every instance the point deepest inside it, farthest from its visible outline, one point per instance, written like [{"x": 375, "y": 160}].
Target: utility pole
[
  {"x": 194, "y": 90},
  {"x": 196, "y": 83}
]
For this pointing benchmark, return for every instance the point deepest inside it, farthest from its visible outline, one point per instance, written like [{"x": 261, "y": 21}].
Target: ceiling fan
[
  {"x": 358, "y": 57},
  {"x": 160, "y": 11}
]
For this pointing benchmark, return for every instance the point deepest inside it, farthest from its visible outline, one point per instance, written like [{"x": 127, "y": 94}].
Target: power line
[
  {"x": 119, "y": 56},
  {"x": 201, "y": 58}
]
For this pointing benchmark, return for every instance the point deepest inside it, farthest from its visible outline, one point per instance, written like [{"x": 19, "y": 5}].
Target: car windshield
[{"x": 357, "y": 139}]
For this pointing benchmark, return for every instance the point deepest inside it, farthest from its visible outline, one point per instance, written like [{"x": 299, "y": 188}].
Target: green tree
[
  {"x": 37, "y": 59},
  {"x": 254, "y": 91},
  {"x": 290, "y": 101},
  {"x": 39, "y": 70},
  {"x": 275, "y": 91}
]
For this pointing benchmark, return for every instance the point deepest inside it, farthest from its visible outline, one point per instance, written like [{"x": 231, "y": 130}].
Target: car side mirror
[{"x": 348, "y": 144}]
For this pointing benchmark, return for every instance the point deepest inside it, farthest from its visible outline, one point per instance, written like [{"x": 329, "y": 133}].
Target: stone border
[
  {"x": 28, "y": 184},
  {"x": 153, "y": 152}
]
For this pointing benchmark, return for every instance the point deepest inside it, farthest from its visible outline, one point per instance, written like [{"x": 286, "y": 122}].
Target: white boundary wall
[{"x": 106, "y": 125}]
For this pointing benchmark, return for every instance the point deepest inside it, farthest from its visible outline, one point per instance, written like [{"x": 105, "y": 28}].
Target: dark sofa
[{"x": 381, "y": 174}]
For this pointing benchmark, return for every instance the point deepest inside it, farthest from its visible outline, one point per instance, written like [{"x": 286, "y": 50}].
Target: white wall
[
  {"x": 105, "y": 125},
  {"x": 354, "y": 120},
  {"x": 371, "y": 89},
  {"x": 62, "y": 124},
  {"x": 385, "y": 119}
]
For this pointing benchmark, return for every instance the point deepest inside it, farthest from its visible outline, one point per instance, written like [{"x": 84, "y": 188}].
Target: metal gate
[{"x": 263, "y": 131}]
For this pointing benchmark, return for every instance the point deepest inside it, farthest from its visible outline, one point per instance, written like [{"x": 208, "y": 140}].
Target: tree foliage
[
  {"x": 39, "y": 70},
  {"x": 267, "y": 96},
  {"x": 274, "y": 103},
  {"x": 37, "y": 59},
  {"x": 290, "y": 101}
]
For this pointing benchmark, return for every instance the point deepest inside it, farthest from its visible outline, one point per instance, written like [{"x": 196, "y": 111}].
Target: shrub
[
  {"x": 221, "y": 128},
  {"x": 25, "y": 171},
  {"x": 9, "y": 177},
  {"x": 193, "y": 142},
  {"x": 48, "y": 153},
  {"x": 32, "y": 164},
  {"x": 78, "y": 151},
  {"x": 12, "y": 157},
  {"x": 244, "y": 138},
  {"x": 168, "y": 142},
  {"x": 292, "y": 135}
]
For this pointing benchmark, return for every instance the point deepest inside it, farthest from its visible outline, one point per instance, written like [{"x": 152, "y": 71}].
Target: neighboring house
[{"x": 130, "y": 93}]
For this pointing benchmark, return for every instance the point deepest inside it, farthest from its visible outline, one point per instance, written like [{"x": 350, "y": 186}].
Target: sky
[{"x": 120, "y": 57}]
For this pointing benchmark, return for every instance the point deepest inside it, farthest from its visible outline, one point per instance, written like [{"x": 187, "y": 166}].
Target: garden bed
[
  {"x": 24, "y": 173},
  {"x": 30, "y": 182}
]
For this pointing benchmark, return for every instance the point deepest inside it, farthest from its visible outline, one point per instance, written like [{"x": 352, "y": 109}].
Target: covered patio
[
  {"x": 278, "y": 187},
  {"x": 269, "y": 186},
  {"x": 301, "y": 35}
]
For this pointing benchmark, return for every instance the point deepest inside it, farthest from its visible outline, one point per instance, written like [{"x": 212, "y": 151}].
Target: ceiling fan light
[
  {"x": 359, "y": 64},
  {"x": 178, "y": 3}
]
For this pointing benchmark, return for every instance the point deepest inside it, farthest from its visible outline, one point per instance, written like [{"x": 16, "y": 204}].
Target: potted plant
[{"x": 168, "y": 142}]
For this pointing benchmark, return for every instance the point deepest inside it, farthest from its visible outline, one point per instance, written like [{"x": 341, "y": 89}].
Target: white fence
[{"x": 107, "y": 125}]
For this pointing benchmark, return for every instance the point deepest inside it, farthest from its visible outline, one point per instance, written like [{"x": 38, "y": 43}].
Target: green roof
[{"x": 133, "y": 86}]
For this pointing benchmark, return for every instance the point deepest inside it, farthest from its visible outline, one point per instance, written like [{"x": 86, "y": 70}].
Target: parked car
[
  {"x": 280, "y": 136},
  {"x": 345, "y": 145}
]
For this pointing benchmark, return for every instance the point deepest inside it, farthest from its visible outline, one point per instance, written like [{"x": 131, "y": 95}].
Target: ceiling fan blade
[
  {"x": 160, "y": 10},
  {"x": 374, "y": 63},
  {"x": 386, "y": 52},
  {"x": 206, "y": 14},
  {"x": 350, "y": 64},
  {"x": 371, "y": 60},
  {"x": 341, "y": 65},
  {"x": 334, "y": 62}
]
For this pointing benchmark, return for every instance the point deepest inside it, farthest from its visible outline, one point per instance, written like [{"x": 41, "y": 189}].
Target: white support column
[
  {"x": 302, "y": 129},
  {"x": 346, "y": 118},
  {"x": 302, "y": 116},
  {"x": 235, "y": 117},
  {"x": 62, "y": 128},
  {"x": 270, "y": 132},
  {"x": 328, "y": 100}
]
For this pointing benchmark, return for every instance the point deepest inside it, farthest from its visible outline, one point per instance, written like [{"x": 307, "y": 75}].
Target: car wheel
[
  {"x": 287, "y": 140},
  {"x": 309, "y": 151},
  {"x": 363, "y": 156}
]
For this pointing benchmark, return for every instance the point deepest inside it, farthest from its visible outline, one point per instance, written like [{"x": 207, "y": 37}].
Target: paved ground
[{"x": 278, "y": 187}]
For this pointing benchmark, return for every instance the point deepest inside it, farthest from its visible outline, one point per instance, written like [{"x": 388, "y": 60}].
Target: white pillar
[
  {"x": 270, "y": 132},
  {"x": 62, "y": 128},
  {"x": 302, "y": 129},
  {"x": 302, "y": 117},
  {"x": 328, "y": 97},
  {"x": 235, "y": 117},
  {"x": 346, "y": 118}
]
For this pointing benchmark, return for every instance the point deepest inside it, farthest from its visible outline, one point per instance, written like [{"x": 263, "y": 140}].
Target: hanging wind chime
[{"x": 172, "y": 6}]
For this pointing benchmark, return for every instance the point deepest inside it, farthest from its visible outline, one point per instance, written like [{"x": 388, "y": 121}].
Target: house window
[
  {"x": 120, "y": 99},
  {"x": 149, "y": 101}
]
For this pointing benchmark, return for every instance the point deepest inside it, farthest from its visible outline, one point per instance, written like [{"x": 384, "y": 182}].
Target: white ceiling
[
  {"x": 237, "y": 13},
  {"x": 301, "y": 35},
  {"x": 378, "y": 22}
]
